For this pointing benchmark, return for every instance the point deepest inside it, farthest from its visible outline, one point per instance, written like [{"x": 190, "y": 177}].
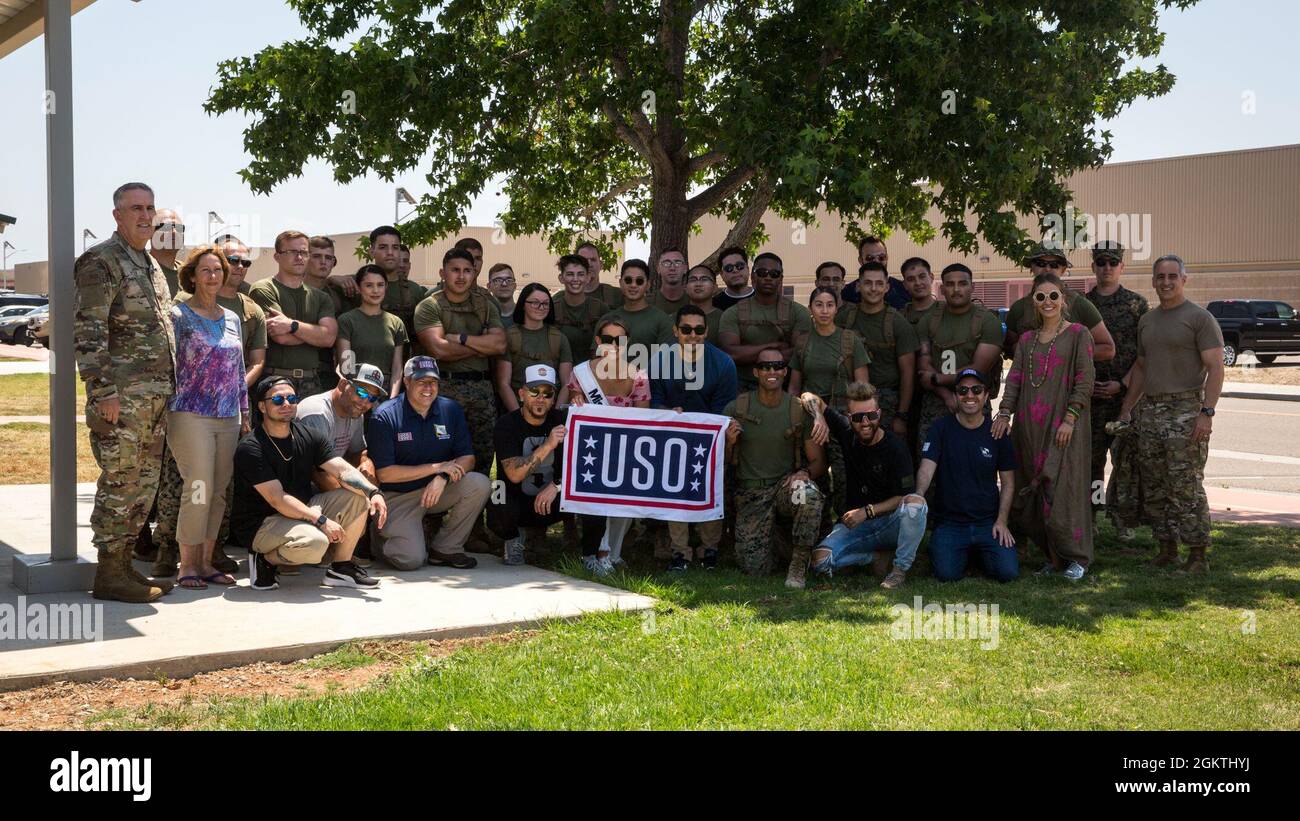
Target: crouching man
[
  {"x": 275, "y": 512},
  {"x": 881, "y": 512},
  {"x": 424, "y": 457}
]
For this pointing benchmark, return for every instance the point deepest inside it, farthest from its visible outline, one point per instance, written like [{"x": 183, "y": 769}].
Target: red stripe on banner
[
  {"x": 619, "y": 500},
  {"x": 648, "y": 423}
]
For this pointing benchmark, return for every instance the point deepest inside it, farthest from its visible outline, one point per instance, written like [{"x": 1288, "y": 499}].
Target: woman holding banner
[{"x": 607, "y": 379}]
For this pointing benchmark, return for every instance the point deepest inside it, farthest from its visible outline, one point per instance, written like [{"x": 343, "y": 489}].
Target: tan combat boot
[
  {"x": 1168, "y": 555},
  {"x": 162, "y": 584},
  {"x": 1196, "y": 561},
  {"x": 165, "y": 565},
  {"x": 798, "y": 573},
  {"x": 114, "y": 581}
]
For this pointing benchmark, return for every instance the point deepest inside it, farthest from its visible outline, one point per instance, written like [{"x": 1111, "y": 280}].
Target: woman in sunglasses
[
  {"x": 833, "y": 358},
  {"x": 206, "y": 412},
  {"x": 1048, "y": 391},
  {"x": 533, "y": 339},
  {"x": 607, "y": 379},
  {"x": 370, "y": 334}
]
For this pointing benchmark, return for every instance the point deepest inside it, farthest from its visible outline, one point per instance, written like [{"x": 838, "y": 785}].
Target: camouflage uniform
[
  {"x": 1173, "y": 494},
  {"x": 759, "y": 510},
  {"x": 1124, "y": 491},
  {"x": 125, "y": 348},
  {"x": 1121, "y": 312}
]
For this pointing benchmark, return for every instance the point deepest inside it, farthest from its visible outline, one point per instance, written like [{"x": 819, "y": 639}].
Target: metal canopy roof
[{"x": 22, "y": 21}]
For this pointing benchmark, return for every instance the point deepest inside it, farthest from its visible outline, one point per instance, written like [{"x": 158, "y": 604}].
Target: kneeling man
[
  {"x": 881, "y": 511},
  {"x": 275, "y": 512}
]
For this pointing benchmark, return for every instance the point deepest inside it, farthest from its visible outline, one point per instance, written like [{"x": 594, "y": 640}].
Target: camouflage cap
[
  {"x": 1046, "y": 250},
  {"x": 1109, "y": 249}
]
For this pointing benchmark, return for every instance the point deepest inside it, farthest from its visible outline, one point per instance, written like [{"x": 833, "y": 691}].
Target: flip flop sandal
[
  {"x": 198, "y": 583},
  {"x": 219, "y": 578}
]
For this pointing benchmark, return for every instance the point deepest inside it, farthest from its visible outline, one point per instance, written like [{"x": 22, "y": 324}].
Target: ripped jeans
[{"x": 902, "y": 529}]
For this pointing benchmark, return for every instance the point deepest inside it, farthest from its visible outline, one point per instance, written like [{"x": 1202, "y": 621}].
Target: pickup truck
[{"x": 1265, "y": 326}]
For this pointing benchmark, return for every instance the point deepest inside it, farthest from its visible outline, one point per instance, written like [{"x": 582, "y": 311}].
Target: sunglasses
[
  {"x": 1054, "y": 264},
  {"x": 605, "y": 339},
  {"x": 735, "y": 266},
  {"x": 541, "y": 393},
  {"x": 634, "y": 280},
  {"x": 1103, "y": 262},
  {"x": 290, "y": 398},
  {"x": 365, "y": 395},
  {"x": 1043, "y": 296},
  {"x": 698, "y": 330},
  {"x": 768, "y": 273},
  {"x": 862, "y": 416},
  {"x": 240, "y": 261},
  {"x": 975, "y": 390},
  {"x": 778, "y": 365},
  {"x": 875, "y": 257}
]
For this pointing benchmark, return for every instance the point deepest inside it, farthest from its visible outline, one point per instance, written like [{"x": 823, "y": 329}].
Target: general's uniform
[
  {"x": 125, "y": 348},
  {"x": 1121, "y": 312}
]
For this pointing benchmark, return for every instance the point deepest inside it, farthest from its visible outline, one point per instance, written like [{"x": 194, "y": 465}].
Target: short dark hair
[
  {"x": 823, "y": 289},
  {"x": 873, "y": 266},
  {"x": 469, "y": 242},
  {"x": 530, "y": 288},
  {"x": 702, "y": 267},
  {"x": 672, "y": 249},
  {"x": 828, "y": 264},
  {"x": 571, "y": 259},
  {"x": 382, "y": 231},
  {"x": 957, "y": 266},
  {"x": 691, "y": 310},
  {"x": 769, "y": 255},
  {"x": 634, "y": 263},
  {"x": 457, "y": 253},
  {"x": 366, "y": 270},
  {"x": 871, "y": 239},
  {"x": 912, "y": 262},
  {"x": 733, "y": 251},
  {"x": 402, "y": 246},
  {"x": 587, "y": 244}
]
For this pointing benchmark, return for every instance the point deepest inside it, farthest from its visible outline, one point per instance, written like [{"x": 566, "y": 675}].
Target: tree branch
[
  {"x": 614, "y": 193},
  {"x": 705, "y": 160},
  {"x": 749, "y": 219},
  {"x": 704, "y": 201}
]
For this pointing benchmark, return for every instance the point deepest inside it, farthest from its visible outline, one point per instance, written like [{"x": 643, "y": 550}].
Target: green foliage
[{"x": 643, "y": 117}]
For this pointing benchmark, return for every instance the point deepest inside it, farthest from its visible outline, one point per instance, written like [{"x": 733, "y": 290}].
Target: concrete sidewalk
[
  {"x": 191, "y": 631},
  {"x": 1261, "y": 390}
]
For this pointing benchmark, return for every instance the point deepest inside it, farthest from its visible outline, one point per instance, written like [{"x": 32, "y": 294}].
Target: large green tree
[{"x": 642, "y": 117}]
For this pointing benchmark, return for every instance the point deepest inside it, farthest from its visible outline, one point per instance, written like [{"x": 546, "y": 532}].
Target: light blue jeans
[{"x": 902, "y": 530}]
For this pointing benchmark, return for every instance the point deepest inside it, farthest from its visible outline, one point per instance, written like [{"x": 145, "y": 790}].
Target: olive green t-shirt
[
  {"x": 578, "y": 324},
  {"x": 765, "y": 449},
  {"x": 465, "y": 317},
  {"x": 823, "y": 368},
  {"x": 670, "y": 306},
  {"x": 648, "y": 326},
  {"x": 762, "y": 328},
  {"x": 305, "y": 304},
  {"x": 1021, "y": 315},
  {"x": 713, "y": 320},
  {"x": 954, "y": 334},
  {"x": 173, "y": 277},
  {"x": 534, "y": 349},
  {"x": 871, "y": 327},
  {"x": 608, "y": 294},
  {"x": 252, "y": 322},
  {"x": 912, "y": 315},
  {"x": 373, "y": 339},
  {"x": 1170, "y": 340}
]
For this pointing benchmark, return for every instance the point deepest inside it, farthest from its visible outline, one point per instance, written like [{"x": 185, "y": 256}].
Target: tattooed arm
[{"x": 517, "y": 468}]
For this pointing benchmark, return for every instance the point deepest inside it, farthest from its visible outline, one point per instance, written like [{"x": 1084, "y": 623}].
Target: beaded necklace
[{"x": 1033, "y": 346}]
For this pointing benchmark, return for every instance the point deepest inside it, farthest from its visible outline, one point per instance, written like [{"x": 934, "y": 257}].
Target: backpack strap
[
  {"x": 742, "y": 404},
  {"x": 798, "y": 418},
  {"x": 514, "y": 340},
  {"x": 556, "y": 339}
]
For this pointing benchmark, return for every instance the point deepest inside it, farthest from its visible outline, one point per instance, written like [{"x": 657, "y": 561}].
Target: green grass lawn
[
  {"x": 28, "y": 394},
  {"x": 1127, "y": 648}
]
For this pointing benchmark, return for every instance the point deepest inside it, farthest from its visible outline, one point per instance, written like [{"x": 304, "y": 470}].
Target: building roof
[{"x": 22, "y": 21}]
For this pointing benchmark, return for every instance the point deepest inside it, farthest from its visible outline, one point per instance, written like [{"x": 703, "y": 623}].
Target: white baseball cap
[{"x": 536, "y": 375}]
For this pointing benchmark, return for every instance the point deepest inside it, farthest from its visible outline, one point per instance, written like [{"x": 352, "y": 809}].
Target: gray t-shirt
[{"x": 346, "y": 436}]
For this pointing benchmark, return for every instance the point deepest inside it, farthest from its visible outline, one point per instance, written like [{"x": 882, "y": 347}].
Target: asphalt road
[{"x": 1256, "y": 445}]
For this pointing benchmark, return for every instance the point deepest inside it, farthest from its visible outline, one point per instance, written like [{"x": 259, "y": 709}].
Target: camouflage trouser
[
  {"x": 129, "y": 454},
  {"x": 1103, "y": 411},
  {"x": 476, "y": 399},
  {"x": 1173, "y": 483},
  {"x": 888, "y": 401},
  {"x": 760, "y": 510},
  {"x": 835, "y": 478},
  {"x": 1124, "y": 490},
  {"x": 170, "y": 488}
]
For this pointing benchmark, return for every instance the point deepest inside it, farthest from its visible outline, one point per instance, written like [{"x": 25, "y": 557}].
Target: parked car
[
  {"x": 1265, "y": 326},
  {"x": 33, "y": 300},
  {"x": 38, "y": 327},
  {"x": 13, "y": 324}
]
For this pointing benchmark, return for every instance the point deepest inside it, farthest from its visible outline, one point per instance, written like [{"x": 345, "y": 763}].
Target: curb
[{"x": 1272, "y": 397}]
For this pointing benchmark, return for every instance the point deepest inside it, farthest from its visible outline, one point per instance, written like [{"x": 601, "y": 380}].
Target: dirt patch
[
  {"x": 1286, "y": 371},
  {"x": 111, "y": 703}
]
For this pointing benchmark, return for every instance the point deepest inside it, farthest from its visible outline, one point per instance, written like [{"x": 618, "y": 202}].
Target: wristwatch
[
  {"x": 444, "y": 474},
  {"x": 293, "y": 327},
  {"x": 320, "y": 522},
  {"x": 372, "y": 493},
  {"x": 1208, "y": 412},
  {"x": 464, "y": 338}
]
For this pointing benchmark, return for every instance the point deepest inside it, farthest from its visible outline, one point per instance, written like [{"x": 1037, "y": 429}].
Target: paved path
[
  {"x": 191, "y": 631},
  {"x": 40, "y": 420}
]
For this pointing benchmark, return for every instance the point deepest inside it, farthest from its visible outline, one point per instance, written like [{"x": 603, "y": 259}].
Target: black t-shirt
[
  {"x": 257, "y": 460},
  {"x": 966, "y": 479},
  {"x": 723, "y": 300},
  {"x": 513, "y": 437},
  {"x": 875, "y": 472}
]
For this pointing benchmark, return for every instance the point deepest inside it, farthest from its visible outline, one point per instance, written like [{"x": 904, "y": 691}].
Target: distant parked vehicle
[
  {"x": 38, "y": 327},
  {"x": 1265, "y": 326},
  {"x": 13, "y": 324},
  {"x": 33, "y": 300}
]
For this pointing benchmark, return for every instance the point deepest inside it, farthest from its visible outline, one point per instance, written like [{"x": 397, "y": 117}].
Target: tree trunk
[{"x": 670, "y": 224}]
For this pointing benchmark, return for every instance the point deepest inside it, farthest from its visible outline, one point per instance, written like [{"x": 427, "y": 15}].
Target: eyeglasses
[
  {"x": 240, "y": 261},
  {"x": 606, "y": 339},
  {"x": 294, "y": 253},
  {"x": 974, "y": 390},
  {"x": 768, "y": 273},
  {"x": 672, "y": 263},
  {"x": 698, "y": 330},
  {"x": 698, "y": 280},
  {"x": 778, "y": 365},
  {"x": 541, "y": 393},
  {"x": 504, "y": 281},
  {"x": 735, "y": 266},
  {"x": 290, "y": 398},
  {"x": 1054, "y": 264},
  {"x": 862, "y": 416},
  {"x": 875, "y": 258},
  {"x": 538, "y": 303},
  {"x": 1043, "y": 296},
  {"x": 634, "y": 280},
  {"x": 363, "y": 394}
]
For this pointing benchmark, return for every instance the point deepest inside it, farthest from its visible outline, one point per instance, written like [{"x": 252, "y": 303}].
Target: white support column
[{"x": 60, "y": 570}]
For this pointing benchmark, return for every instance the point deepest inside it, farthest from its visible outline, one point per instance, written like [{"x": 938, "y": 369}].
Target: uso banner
[{"x": 635, "y": 462}]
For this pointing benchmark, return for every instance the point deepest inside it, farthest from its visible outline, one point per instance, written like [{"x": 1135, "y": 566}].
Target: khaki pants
[
  {"x": 204, "y": 450},
  {"x": 679, "y": 534},
  {"x": 299, "y": 542},
  {"x": 401, "y": 540}
]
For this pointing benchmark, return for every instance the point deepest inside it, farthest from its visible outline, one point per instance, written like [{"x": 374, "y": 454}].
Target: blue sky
[{"x": 163, "y": 52}]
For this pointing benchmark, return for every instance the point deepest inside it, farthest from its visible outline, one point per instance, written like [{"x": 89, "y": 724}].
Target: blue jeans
[
  {"x": 952, "y": 542},
  {"x": 901, "y": 530}
]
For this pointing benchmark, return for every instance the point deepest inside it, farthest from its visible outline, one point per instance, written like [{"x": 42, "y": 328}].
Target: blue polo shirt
[{"x": 397, "y": 435}]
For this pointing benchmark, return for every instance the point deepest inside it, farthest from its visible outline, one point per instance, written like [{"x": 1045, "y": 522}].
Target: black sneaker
[
  {"x": 348, "y": 574},
  {"x": 710, "y": 559},
  {"x": 262, "y": 574},
  {"x": 462, "y": 561},
  {"x": 678, "y": 563}
]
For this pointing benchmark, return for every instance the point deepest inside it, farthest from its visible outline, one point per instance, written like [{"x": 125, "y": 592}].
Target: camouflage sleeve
[{"x": 94, "y": 297}]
